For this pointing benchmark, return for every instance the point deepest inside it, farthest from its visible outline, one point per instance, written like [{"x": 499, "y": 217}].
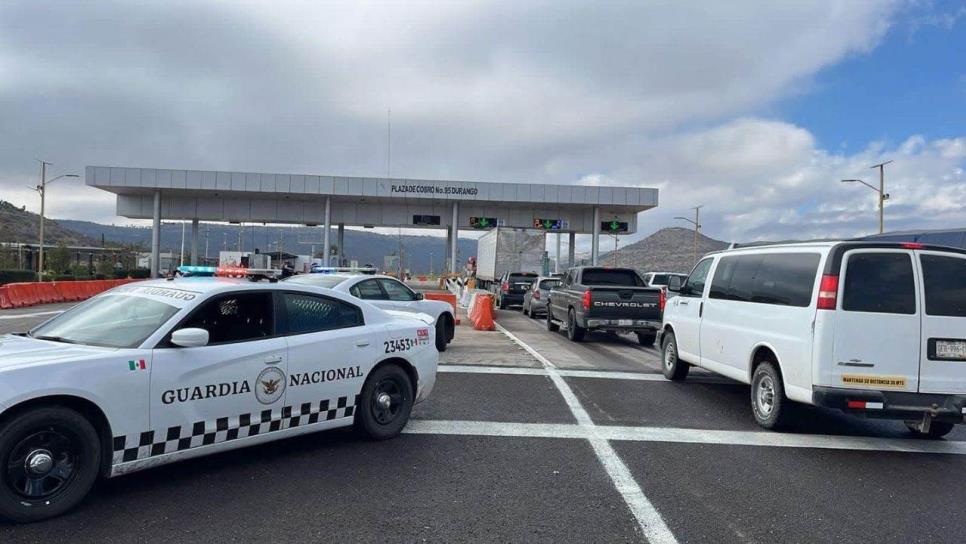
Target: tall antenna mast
[{"x": 388, "y": 141}]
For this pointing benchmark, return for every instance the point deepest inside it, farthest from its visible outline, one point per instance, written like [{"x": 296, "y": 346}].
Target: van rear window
[
  {"x": 879, "y": 283},
  {"x": 611, "y": 276},
  {"x": 945, "y": 283}
]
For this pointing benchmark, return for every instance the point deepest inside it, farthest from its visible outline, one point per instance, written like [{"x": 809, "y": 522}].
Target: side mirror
[
  {"x": 419, "y": 296},
  {"x": 190, "y": 337},
  {"x": 674, "y": 284}
]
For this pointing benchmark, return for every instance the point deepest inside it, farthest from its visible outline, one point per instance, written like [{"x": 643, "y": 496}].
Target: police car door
[
  {"x": 330, "y": 352},
  {"x": 400, "y": 297},
  {"x": 231, "y": 388}
]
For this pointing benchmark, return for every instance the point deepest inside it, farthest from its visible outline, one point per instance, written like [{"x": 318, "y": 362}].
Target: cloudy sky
[{"x": 753, "y": 109}]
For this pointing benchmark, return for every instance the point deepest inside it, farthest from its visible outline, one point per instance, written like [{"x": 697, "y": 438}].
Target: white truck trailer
[{"x": 505, "y": 249}]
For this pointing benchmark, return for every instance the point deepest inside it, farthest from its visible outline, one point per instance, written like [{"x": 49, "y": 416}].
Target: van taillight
[
  {"x": 828, "y": 292},
  {"x": 505, "y": 286},
  {"x": 662, "y": 298},
  {"x": 586, "y": 300},
  {"x": 536, "y": 295}
]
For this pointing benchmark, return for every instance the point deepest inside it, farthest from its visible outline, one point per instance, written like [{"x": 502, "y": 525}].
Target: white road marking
[
  {"x": 603, "y": 374},
  {"x": 686, "y": 436},
  {"x": 473, "y": 369},
  {"x": 648, "y": 518},
  {"x": 36, "y": 314}
]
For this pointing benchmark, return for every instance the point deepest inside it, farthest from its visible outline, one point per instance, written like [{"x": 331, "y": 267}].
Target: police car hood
[
  {"x": 20, "y": 350},
  {"x": 411, "y": 316}
]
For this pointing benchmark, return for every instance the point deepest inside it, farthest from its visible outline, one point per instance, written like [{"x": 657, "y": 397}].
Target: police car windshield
[
  {"x": 319, "y": 280},
  {"x": 114, "y": 321}
]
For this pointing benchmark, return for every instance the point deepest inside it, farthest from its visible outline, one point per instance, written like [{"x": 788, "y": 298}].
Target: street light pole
[
  {"x": 883, "y": 196},
  {"x": 697, "y": 226},
  {"x": 42, "y": 189}
]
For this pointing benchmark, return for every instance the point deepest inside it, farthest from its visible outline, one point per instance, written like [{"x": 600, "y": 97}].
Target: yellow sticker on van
[{"x": 895, "y": 382}]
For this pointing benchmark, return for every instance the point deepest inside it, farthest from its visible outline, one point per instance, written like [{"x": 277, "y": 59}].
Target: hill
[
  {"x": 667, "y": 250},
  {"x": 420, "y": 252},
  {"x": 19, "y": 225}
]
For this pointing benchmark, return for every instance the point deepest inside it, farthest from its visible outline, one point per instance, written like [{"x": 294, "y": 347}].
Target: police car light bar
[
  {"x": 188, "y": 270},
  {"x": 341, "y": 269}
]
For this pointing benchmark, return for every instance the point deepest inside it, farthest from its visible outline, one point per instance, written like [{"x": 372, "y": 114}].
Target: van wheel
[
  {"x": 646, "y": 338},
  {"x": 768, "y": 402},
  {"x": 574, "y": 331},
  {"x": 385, "y": 403},
  {"x": 502, "y": 304},
  {"x": 51, "y": 457},
  {"x": 525, "y": 311},
  {"x": 674, "y": 369},
  {"x": 937, "y": 429},
  {"x": 551, "y": 326}
]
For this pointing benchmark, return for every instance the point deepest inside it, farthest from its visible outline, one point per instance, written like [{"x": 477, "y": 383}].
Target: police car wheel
[
  {"x": 385, "y": 403},
  {"x": 442, "y": 332},
  {"x": 50, "y": 461}
]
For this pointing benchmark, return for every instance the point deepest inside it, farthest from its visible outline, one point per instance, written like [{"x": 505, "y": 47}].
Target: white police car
[
  {"x": 159, "y": 371},
  {"x": 387, "y": 293}
]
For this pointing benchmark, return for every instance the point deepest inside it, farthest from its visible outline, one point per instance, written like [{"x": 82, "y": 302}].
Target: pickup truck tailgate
[{"x": 625, "y": 303}]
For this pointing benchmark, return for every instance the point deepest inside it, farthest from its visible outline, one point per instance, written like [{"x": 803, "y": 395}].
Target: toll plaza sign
[
  {"x": 548, "y": 224},
  {"x": 443, "y": 190}
]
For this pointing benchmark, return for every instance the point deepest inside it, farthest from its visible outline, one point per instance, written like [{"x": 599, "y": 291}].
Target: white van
[{"x": 870, "y": 328}]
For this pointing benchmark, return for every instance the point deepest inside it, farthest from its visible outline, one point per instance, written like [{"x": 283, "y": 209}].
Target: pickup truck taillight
[
  {"x": 505, "y": 286},
  {"x": 662, "y": 298},
  {"x": 828, "y": 292},
  {"x": 586, "y": 300}
]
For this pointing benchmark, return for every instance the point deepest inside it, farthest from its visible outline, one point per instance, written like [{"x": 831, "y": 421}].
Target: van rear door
[
  {"x": 877, "y": 324},
  {"x": 943, "y": 350}
]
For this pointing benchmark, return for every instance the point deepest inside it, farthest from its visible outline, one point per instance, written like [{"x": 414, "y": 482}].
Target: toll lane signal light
[{"x": 613, "y": 227}]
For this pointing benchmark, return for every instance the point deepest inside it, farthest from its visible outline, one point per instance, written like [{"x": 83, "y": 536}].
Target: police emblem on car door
[{"x": 230, "y": 388}]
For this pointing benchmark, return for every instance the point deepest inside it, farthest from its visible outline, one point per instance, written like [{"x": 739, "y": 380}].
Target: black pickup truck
[{"x": 592, "y": 298}]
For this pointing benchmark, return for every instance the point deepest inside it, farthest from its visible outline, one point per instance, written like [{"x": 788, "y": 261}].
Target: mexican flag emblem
[{"x": 137, "y": 365}]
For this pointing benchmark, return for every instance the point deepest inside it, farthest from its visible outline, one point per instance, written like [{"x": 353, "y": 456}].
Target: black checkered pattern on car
[{"x": 152, "y": 443}]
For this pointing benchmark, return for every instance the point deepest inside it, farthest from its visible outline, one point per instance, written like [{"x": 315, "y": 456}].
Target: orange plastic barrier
[
  {"x": 445, "y": 297},
  {"x": 481, "y": 313},
  {"x": 18, "y": 295}
]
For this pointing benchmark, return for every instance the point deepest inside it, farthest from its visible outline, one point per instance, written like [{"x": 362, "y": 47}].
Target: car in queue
[
  {"x": 387, "y": 293},
  {"x": 661, "y": 279},
  {"x": 535, "y": 299},
  {"x": 595, "y": 298},
  {"x": 511, "y": 288},
  {"x": 158, "y": 371},
  {"x": 870, "y": 328}
]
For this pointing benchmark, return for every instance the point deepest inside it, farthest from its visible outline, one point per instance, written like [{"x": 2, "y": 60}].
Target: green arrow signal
[
  {"x": 484, "y": 222},
  {"x": 615, "y": 225}
]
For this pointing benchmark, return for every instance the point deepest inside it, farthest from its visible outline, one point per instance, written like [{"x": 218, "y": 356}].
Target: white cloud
[{"x": 664, "y": 94}]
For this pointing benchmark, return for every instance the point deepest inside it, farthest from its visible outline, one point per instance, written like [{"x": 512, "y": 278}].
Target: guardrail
[{"x": 19, "y": 295}]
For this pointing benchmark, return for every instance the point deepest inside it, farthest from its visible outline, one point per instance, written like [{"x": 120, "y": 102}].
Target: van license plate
[
  {"x": 951, "y": 349},
  {"x": 625, "y": 322}
]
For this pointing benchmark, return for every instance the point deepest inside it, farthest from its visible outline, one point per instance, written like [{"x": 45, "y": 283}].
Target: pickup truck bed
[{"x": 605, "y": 299}]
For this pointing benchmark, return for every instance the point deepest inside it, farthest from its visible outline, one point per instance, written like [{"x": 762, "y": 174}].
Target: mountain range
[{"x": 667, "y": 250}]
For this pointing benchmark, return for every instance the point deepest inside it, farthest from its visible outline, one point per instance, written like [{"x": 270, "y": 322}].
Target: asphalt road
[{"x": 544, "y": 440}]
